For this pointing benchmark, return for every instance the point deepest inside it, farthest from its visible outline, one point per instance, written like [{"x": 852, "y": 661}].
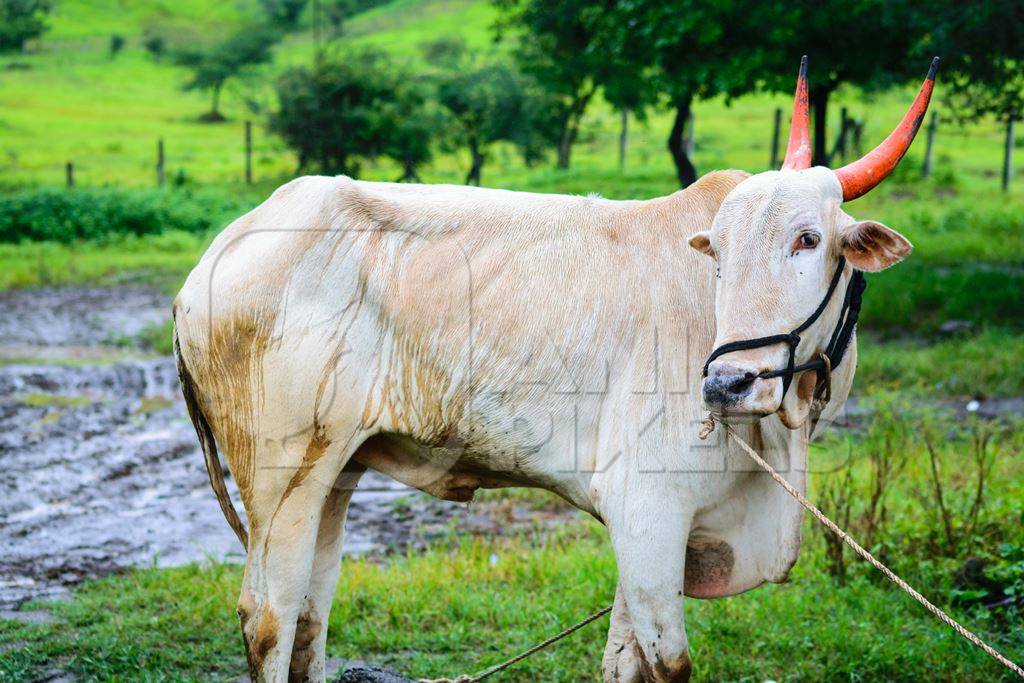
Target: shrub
[
  {"x": 62, "y": 215},
  {"x": 347, "y": 111},
  {"x": 917, "y": 299},
  {"x": 116, "y": 44}
]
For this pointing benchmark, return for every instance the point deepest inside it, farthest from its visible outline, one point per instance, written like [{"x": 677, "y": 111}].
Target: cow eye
[{"x": 808, "y": 240}]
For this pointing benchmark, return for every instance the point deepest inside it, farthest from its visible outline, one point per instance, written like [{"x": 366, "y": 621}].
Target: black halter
[{"x": 836, "y": 348}]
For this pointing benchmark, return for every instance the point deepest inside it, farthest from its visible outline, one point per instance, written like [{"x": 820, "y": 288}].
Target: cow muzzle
[{"x": 734, "y": 392}]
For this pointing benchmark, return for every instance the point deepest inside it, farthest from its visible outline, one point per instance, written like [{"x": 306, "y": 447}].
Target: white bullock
[{"x": 460, "y": 338}]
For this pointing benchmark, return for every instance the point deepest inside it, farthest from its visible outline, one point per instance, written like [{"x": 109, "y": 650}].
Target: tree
[
  {"x": 490, "y": 103},
  {"x": 283, "y": 14},
  {"x": 212, "y": 66},
  {"x": 339, "y": 112},
  {"x": 116, "y": 44},
  {"x": 154, "y": 42},
  {"x": 486, "y": 105},
  {"x": 20, "y": 21},
  {"x": 627, "y": 76},
  {"x": 871, "y": 48},
  {"x": 982, "y": 57},
  {"x": 560, "y": 54},
  {"x": 409, "y": 125},
  {"x": 692, "y": 49}
]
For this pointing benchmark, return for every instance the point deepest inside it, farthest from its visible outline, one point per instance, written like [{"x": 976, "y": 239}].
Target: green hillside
[
  {"x": 110, "y": 112},
  {"x": 85, "y": 19},
  {"x": 69, "y": 101}
]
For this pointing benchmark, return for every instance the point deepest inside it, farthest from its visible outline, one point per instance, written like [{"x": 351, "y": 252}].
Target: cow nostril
[
  {"x": 739, "y": 383},
  {"x": 724, "y": 387}
]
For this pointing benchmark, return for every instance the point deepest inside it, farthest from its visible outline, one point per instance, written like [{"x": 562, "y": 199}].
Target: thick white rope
[
  {"x": 706, "y": 428},
  {"x": 952, "y": 623}
]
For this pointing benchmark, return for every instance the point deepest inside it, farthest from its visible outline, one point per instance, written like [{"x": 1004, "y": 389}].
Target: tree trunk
[
  {"x": 571, "y": 127},
  {"x": 1008, "y": 152},
  {"x": 685, "y": 170},
  {"x": 477, "y": 163},
  {"x": 819, "y": 101},
  {"x": 623, "y": 138},
  {"x": 409, "y": 174},
  {"x": 926, "y": 172},
  {"x": 565, "y": 142},
  {"x": 215, "y": 108}
]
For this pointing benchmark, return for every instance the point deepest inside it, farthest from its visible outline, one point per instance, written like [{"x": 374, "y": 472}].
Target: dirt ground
[{"x": 99, "y": 465}]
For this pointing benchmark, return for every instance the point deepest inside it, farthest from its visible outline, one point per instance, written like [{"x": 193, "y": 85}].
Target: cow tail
[{"x": 209, "y": 446}]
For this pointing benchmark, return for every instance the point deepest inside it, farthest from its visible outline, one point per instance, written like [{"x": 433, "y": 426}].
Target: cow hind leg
[
  {"x": 308, "y": 662},
  {"x": 295, "y": 512}
]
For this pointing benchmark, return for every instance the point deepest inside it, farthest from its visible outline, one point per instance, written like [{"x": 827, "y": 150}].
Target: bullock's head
[{"x": 780, "y": 240}]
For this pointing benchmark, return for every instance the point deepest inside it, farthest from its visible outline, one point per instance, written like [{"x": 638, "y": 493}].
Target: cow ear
[
  {"x": 871, "y": 246},
  {"x": 702, "y": 243}
]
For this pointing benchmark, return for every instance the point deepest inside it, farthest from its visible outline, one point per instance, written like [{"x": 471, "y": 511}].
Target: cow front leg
[
  {"x": 621, "y": 662},
  {"x": 649, "y": 541}
]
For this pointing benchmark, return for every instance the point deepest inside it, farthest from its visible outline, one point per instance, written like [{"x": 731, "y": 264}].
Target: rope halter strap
[{"x": 838, "y": 342}]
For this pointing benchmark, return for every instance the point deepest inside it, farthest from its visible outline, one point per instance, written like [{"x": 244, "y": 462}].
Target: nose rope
[{"x": 838, "y": 342}]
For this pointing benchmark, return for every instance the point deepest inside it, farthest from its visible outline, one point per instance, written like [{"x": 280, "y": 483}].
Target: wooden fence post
[
  {"x": 844, "y": 118},
  {"x": 248, "y": 152},
  {"x": 161, "y": 177},
  {"x": 1008, "y": 156},
  {"x": 839, "y": 149},
  {"x": 69, "y": 173},
  {"x": 933, "y": 123},
  {"x": 774, "y": 163},
  {"x": 623, "y": 138}
]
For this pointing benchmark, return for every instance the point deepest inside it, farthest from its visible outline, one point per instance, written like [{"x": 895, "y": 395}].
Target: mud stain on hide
[
  {"x": 315, "y": 450},
  {"x": 229, "y": 378},
  {"x": 709, "y": 567},
  {"x": 264, "y": 640},
  {"x": 306, "y": 630},
  {"x": 677, "y": 671}
]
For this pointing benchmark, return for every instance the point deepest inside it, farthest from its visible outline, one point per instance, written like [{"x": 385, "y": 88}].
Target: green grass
[
  {"x": 110, "y": 113},
  {"x": 914, "y": 299},
  {"x": 463, "y": 605},
  {"x": 102, "y": 18},
  {"x": 52, "y": 401},
  {"x": 156, "y": 259},
  {"x": 446, "y": 612},
  {"x": 983, "y": 365}
]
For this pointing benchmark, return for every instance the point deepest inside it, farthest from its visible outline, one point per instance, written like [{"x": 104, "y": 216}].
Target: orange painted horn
[
  {"x": 864, "y": 174},
  {"x": 798, "y": 151}
]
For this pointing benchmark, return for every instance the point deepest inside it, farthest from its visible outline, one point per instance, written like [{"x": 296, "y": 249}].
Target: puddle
[
  {"x": 99, "y": 466},
  {"x": 79, "y": 316}
]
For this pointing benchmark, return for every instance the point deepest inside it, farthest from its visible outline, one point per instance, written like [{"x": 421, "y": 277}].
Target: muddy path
[{"x": 99, "y": 466}]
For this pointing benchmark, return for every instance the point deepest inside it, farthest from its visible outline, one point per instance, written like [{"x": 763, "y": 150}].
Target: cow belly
[{"x": 445, "y": 473}]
